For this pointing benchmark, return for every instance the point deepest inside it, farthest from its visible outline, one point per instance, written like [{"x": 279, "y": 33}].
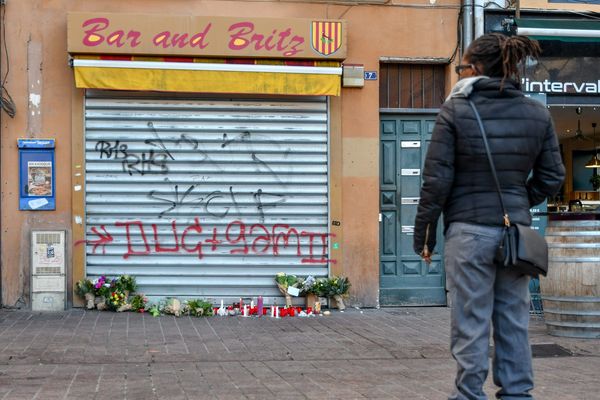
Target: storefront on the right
[{"x": 566, "y": 78}]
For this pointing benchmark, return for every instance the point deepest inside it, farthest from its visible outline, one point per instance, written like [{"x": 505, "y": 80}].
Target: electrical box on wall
[
  {"x": 48, "y": 278},
  {"x": 353, "y": 75}
]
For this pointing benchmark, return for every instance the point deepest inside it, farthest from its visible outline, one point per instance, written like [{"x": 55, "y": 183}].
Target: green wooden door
[{"x": 404, "y": 278}]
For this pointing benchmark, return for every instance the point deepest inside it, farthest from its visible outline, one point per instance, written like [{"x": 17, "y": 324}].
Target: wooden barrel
[{"x": 571, "y": 291}]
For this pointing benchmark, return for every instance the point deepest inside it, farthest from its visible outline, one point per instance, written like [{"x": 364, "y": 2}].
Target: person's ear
[{"x": 477, "y": 68}]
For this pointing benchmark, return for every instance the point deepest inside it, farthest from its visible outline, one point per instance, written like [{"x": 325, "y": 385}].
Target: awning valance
[
  {"x": 206, "y": 77},
  {"x": 564, "y": 30}
]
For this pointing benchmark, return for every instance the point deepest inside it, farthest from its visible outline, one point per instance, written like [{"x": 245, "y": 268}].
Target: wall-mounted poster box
[{"x": 36, "y": 174}]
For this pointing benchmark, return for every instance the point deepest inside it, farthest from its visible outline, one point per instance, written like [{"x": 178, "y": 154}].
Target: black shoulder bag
[{"x": 521, "y": 248}]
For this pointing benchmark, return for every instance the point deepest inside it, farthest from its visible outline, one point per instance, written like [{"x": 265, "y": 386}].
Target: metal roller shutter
[{"x": 207, "y": 198}]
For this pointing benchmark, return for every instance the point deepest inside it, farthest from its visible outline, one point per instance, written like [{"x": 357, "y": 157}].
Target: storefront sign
[
  {"x": 105, "y": 33},
  {"x": 547, "y": 86},
  {"x": 562, "y": 75}
]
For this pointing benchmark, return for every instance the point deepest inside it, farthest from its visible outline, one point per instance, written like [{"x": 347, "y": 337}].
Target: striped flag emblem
[{"x": 326, "y": 37}]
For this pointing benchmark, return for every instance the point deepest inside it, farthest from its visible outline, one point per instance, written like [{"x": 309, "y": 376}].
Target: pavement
[{"x": 387, "y": 353}]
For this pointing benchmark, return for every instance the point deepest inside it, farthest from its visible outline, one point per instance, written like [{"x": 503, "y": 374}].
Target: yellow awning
[{"x": 207, "y": 77}]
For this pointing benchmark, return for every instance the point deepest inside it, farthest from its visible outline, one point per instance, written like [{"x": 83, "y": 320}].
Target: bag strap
[{"x": 491, "y": 161}]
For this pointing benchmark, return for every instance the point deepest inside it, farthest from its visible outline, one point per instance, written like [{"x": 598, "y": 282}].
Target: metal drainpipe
[
  {"x": 467, "y": 6},
  {"x": 2, "y": 10},
  {"x": 478, "y": 23}
]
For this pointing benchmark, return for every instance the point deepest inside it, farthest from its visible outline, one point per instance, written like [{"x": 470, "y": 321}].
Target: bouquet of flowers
[
  {"x": 102, "y": 290},
  {"x": 337, "y": 287},
  {"x": 85, "y": 289},
  {"x": 310, "y": 289},
  {"x": 117, "y": 301},
  {"x": 127, "y": 284},
  {"x": 289, "y": 285},
  {"x": 198, "y": 308},
  {"x": 308, "y": 284},
  {"x": 138, "y": 303},
  {"x": 172, "y": 306}
]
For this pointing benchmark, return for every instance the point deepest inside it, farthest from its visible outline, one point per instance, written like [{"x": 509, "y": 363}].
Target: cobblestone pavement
[{"x": 395, "y": 353}]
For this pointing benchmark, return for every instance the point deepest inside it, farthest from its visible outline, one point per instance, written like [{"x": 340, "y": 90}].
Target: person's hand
[{"x": 426, "y": 255}]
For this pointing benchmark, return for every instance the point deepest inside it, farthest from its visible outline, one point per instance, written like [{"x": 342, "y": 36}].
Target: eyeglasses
[{"x": 459, "y": 68}]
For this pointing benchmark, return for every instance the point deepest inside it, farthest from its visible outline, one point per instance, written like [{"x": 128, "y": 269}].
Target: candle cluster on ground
[{"x": 258, "y": 310}]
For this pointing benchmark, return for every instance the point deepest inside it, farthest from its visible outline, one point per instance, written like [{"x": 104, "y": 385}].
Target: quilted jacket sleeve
[
  {"x": 438, "y": 176},
  {"x": 548, "y": 170}
]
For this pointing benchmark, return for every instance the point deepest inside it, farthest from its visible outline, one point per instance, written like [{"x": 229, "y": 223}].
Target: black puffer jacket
[{"x": 457, "y": 178}]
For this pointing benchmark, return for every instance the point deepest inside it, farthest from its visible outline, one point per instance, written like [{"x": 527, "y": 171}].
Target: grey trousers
[{"x": 483, "y": 292}]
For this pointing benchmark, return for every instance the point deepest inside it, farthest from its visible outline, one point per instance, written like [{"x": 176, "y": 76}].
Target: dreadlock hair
[{"x": 500, "y": 55}]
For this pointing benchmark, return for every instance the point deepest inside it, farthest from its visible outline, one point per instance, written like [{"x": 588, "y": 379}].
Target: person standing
[{"x": 458, "y": 182}]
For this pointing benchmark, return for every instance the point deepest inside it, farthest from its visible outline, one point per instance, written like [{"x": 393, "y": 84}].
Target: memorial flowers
[
  {"x": 289, "y": 285},
  {"x": 85, "y": 289},
  {"x": 104, "y": 293},
  {"x": 337, "y": 287},
  {"x": 116, "y": 301},
  {"x": 126, "y": 283},
  {"x": 198, "y": 308},
  {"x": 138, "y": 303}
]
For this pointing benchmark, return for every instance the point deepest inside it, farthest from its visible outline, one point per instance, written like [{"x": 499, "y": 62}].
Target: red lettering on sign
[
  {"x": 242, "y": 35},
  {"x": 166, "y": 39},
  {"x": 92, "y": 36}
]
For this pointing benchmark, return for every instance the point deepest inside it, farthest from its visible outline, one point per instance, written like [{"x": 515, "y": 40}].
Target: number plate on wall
[{"x": 410, "y": 171}]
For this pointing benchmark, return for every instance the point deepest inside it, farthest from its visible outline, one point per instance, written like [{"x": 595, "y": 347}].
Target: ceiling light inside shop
[{"x": 594, "y": 162}]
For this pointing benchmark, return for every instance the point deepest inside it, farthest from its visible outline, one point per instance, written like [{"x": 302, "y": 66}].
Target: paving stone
[{"x": 377, "y": 354}]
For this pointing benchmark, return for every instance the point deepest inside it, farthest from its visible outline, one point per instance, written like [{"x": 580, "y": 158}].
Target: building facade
[{"x": 202, "y": 147}]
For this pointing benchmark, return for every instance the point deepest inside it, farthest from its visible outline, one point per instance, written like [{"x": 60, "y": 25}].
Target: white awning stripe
[{"x": 207, "y": 67}]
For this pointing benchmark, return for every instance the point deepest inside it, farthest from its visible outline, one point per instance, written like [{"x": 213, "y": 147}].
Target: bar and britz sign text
[{"x": 105, "y": 33}]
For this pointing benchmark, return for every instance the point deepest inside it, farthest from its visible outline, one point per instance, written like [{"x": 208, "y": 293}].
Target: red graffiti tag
[
  {"x": 130, "y": 244},
  {"x": 256, "y": 239},
  {"x": 103, "y": 239}
]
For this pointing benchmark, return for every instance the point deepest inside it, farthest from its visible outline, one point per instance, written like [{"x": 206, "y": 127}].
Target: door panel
[{"x": 405, "y": 279}]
